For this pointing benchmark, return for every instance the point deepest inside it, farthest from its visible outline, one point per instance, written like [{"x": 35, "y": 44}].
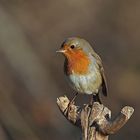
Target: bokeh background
[{"x": 31, "y": 73}]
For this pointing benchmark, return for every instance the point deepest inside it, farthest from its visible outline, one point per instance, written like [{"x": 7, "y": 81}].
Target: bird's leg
[
  {"x": 91, "y": 102},
  {"x": 95, "y": 98},
  {"x": 73, "y": 99}
]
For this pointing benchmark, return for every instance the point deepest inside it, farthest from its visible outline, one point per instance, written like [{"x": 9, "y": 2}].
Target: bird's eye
[{"x": 72, "y": 46}]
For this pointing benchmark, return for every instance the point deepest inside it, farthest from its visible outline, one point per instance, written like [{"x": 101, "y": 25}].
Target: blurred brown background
[{"x": 31, "y": 73}]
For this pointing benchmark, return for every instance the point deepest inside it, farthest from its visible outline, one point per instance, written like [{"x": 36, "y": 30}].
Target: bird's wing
[{"x": 104, "y": 82}]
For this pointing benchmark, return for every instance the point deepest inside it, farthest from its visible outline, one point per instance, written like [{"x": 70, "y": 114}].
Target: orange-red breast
[{"x": 83, "y": 67}]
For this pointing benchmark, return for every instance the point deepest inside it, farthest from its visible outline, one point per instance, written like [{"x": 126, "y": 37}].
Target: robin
[{"x": 83, "y": 68}]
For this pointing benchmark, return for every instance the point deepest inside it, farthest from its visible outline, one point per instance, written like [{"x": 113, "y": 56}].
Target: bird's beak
[{"x": 61, "y": 51}]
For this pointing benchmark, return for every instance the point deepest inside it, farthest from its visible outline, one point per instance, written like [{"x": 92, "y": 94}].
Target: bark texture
[{"x": 94, "y": 120}]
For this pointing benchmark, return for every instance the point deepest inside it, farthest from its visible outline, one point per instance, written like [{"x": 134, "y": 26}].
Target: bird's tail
[{"x": 96, "y": 98}]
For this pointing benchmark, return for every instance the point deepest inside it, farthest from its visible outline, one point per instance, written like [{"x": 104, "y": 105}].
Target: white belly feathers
[{"x": 88, "y": 84}]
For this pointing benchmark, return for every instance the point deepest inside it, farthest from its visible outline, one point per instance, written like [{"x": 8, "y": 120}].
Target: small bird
[{"x": 83, "y": 68}]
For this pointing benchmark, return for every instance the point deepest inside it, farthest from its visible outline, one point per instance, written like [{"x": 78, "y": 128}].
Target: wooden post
[{"x": 94, "y": 120}]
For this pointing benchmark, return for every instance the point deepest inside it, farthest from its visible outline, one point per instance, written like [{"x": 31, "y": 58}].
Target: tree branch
[{"x": 95, "y": 121}]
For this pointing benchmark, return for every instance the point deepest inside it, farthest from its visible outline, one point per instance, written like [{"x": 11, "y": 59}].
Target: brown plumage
[{"x": 83, "y": 68}]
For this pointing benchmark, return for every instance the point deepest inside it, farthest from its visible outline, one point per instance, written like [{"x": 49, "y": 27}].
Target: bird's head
[
  {"x": 76, "y": 51},
  {"x": 75, "y": 46}
]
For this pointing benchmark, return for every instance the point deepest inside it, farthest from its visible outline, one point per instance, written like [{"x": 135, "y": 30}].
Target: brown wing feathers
[{"x": 104, "y": 83}]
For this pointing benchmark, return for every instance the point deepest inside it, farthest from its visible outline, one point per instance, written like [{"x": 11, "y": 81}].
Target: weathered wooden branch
[{"x": 94, "y": 120}]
